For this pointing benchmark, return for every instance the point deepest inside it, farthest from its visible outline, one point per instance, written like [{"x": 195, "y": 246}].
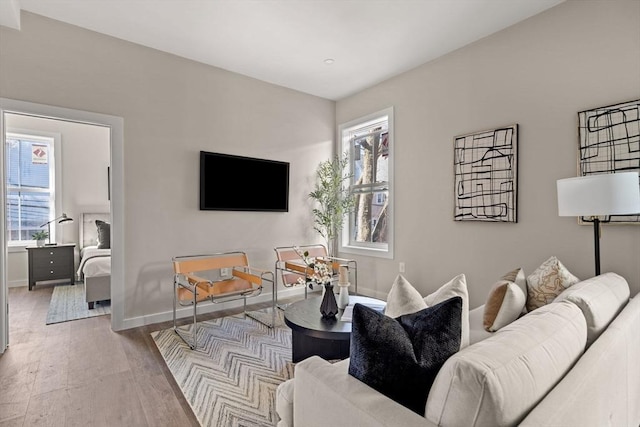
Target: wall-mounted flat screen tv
[{"x": 237, "y": 183}]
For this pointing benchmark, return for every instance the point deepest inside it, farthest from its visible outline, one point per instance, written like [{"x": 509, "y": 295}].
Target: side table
[
  {"x": 53, "y": 262},
  {"x": 312, "y": 335}
]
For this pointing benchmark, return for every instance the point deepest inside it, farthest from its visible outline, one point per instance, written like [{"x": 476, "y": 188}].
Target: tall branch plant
[{"x": 333, "y": 201}]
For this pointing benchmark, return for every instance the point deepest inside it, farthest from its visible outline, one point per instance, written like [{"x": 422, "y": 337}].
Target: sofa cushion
[
  {"x": 600, "y": 298},
  {"x": 401, "y": 357},
  {"x": 476, "y": 328},
  {"x": 497, "y": 381},
  {"x": 504, "y": 305},
  {"x": 284, "y": 403},
  {"x": 547, "y": 282},
  {"x": 403, "y": 298}
]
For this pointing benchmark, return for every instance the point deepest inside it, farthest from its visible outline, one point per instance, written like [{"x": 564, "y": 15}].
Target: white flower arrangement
[{"x": 322, "y": 271}]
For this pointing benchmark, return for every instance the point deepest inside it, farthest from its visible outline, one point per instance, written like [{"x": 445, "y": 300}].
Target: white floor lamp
[{"x": 599, "y": 195}]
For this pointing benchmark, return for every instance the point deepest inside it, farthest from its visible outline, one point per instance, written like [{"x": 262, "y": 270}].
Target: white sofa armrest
[
  {"x": 325, "y": 394},
  {"x": 603, "y": 388}
]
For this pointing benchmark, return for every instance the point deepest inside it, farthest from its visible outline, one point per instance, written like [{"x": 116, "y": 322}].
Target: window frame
[
  {"x": 54, "y": 140},
  {"x": 347, "y": 245}
]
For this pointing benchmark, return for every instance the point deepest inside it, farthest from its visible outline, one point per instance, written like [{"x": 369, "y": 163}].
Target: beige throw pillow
[
  {"x": 504, "y": 305},
  {"x": 547, "y": 282},
  {"x": 517, "y": 276}
]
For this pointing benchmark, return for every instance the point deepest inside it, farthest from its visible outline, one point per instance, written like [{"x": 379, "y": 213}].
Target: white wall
[
  {"x": 173, "y": 108},
  {"x": 540, "y": 74},
  {"x": 85, "y": 157}
]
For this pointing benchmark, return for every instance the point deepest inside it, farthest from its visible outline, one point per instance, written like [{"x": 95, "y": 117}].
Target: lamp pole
[{"x": 596, "y": 238}]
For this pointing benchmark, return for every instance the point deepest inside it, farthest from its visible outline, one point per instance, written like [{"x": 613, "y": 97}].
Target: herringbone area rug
[{"x": 231, "y": 379}]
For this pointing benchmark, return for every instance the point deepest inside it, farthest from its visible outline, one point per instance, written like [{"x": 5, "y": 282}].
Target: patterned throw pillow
[
  {"x": 547, "y": 282},
  {"x": 401, "y": 357}
]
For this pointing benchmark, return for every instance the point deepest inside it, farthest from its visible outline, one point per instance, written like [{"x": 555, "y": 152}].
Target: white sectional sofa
[{"x": 573, "y": 362}]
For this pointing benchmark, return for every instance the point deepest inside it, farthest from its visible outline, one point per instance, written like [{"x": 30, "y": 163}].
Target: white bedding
[{"x": 94, "y": 262}]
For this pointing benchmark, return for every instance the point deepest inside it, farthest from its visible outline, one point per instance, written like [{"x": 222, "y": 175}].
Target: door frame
[{"x": 116, "y": 125}]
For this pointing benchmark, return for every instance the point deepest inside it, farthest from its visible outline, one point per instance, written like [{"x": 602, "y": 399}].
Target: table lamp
[
  {"x": 63, "y": 218},
  {"x": 599, "y": 195}
]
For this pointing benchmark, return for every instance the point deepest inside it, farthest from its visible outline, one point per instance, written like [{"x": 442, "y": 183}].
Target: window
[
  {"x": 369, "y": 142},
  {"x": 31, "y": 172}
]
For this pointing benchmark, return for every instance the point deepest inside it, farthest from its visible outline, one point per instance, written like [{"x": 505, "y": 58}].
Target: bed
[{"x": 95, "y": 263}]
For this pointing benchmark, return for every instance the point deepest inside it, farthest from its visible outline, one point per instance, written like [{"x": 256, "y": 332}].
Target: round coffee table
[{"x": 313, "y": 335}]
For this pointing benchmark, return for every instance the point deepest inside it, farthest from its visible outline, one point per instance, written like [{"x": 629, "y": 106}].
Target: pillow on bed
[{"x": 104, "y": 234}]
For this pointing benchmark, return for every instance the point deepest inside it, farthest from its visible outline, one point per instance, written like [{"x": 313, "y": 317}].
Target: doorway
[{"x": 116, "y": 196}]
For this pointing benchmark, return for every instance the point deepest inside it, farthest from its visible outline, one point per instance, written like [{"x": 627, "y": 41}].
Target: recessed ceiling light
[{"x": 328, "y": 61}]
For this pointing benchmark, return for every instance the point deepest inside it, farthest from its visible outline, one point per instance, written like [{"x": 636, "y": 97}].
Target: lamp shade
[
  {"x": 65, "y": 218},
  {"x": 599, "y": 195}
]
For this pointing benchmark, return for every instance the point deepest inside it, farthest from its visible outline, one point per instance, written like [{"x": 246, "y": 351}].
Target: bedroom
[{"x": 78, "y": 162}]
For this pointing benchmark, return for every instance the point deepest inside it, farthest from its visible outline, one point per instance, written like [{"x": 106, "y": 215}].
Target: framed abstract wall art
[
  {"x": 609, "y": 142},
  {"x": 486, "y": 175}
]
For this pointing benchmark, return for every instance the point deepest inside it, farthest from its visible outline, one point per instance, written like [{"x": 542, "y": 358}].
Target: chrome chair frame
[
  {"x": 286, "y": 267},
  {"x": 206, "y": 290}
]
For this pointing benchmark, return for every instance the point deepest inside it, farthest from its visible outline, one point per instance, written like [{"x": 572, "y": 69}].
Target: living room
[{"x": 538, "y": 73}]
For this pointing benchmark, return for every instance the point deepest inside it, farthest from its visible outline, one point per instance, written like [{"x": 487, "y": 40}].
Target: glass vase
[{"x": 328, "y": 306}]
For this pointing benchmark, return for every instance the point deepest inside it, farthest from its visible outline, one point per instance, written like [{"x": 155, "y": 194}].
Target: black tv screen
[{"x": 236, "y": 183}]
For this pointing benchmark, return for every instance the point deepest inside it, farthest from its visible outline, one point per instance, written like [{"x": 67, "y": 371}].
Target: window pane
[
  {"x": 27, "y": 164},
  {"x": 26, "y": 212},
  {"x": 382, "y": 166},
  {"x": 29, "y": 168},
  {"x": 369, "y": 222},
  {"x": 371, "y": 157}
]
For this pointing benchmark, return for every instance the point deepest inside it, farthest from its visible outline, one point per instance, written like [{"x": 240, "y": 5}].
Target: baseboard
[
  {"x": 17, "y": 283},
  {"x": 150, "y": 319},
  {"x": 135, "y": 322}
]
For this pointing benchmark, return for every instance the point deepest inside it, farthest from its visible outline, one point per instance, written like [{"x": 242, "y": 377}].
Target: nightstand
[{"x": 53, "y": 262}]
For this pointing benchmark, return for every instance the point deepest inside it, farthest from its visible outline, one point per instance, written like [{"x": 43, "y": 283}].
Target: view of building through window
[
  {"x": 368, "y": 144},
  {"x": 30, "y": 185}
]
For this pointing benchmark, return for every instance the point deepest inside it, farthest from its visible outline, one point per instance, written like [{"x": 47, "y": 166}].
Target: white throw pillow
[
  {"x": 547, "y": 282},
  {"x": 504, "y": 305},
  {"x": 455, "y": 287},
  {"x": 403, "y": 298}
]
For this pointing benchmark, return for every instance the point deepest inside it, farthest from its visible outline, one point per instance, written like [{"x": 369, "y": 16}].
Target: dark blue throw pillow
[{"x": 401, "y": 357}]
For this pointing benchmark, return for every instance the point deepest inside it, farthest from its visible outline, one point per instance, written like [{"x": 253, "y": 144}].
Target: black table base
[{"x": 304, "y": 346}]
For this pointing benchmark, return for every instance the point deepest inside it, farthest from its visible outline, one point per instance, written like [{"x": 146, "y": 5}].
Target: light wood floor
[{"x": 81, "y": 373}]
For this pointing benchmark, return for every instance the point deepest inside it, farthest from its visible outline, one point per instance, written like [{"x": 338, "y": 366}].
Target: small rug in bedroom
[
  {"x": 67, "y": 303},
  {"x": 232, "y": 376}
]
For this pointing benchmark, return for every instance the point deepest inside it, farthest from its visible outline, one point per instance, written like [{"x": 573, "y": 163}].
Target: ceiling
[{"x": 286, "y": 42}]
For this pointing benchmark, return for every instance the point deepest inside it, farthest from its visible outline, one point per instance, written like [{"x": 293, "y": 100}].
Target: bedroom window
[
  {"x": 30, "y": 178},
  {"x": 369, "y": 142}
]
